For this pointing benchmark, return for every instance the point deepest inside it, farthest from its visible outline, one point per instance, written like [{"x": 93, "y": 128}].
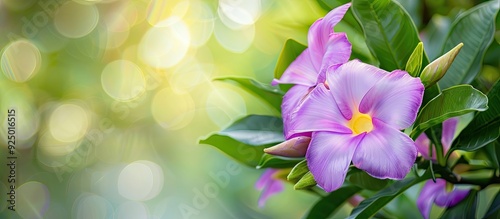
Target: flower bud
[
  {"x": 414, "y": 64},
  {"x": 433, "y": 72},
  {"x": 295, "y": 147}
]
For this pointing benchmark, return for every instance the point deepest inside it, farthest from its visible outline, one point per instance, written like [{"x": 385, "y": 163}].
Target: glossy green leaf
[
  {"x": 434, "y": 71},
  {"x": 474, "y": 28},
  {"x": 471, "y": 140},
  {"x": 356, "y": 37},
  {"x": 270, "y": 161},
  {"x": 372, "y": 205},
  {"x": 298, "y": 171},
  {"x": 493, "y": 112},
  {"x": 484, "y": 128},
  {"x": 493, "y": 153},
  {"x": 329, "y": 204},
  {"x": 465, "y": 209},
  {"x": 434, "y": 35},
  {"x": 454, "y": 101},
  {"x": 414, "y": 9},
  {"x": 494, "y": 210},
  {"x": 307, "y": 181},
  {"x": 414, "y": 64},
  {"x": 288, "y": 54},
  {"x": 244, "y": 153},
  {"x": 430, "y": 93},
  {"x": 256, "y": 130},
  {"x": 365, "y": 181},
  {"x": 331, "y": 4},
  {"x": 265, "y": 92},
  {"x": 389, "y": 31}
]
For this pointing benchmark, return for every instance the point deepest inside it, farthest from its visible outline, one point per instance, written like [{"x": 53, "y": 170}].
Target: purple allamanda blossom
[
  {"x": 325, "y": 48},
  {"x": 437, "y": 192},
  {"x": 269, "y": 184},
  {"x": 359, "y": 119},
  {"x": 424, "y": 143}
]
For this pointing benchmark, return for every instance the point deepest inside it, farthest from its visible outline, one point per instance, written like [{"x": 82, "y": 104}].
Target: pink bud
[{"x": 295, "y": 147}]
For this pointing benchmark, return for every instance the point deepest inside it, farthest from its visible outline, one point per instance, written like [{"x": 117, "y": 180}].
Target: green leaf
[
  {"x": 414, "y": 64},
  {"x": 434, "y": 35},
  {"x": 270, "y": 161},
  {"x": 471, "y": 140},
  {"x": 307, "y": 181},
  {"x": 434, "y": 71},
  {"x": 288, "y": 54},
  {"x": 356, "y": 37},
  {"x": 484, "y": 128},
  {"x": 331, "y": 4},
  {"x": 328, "y": 205},
  {"x": 493, "y": 152},
  {"x": 389, "y": 31},
  {"x": 430, "y": 93},
  {"x": 494, "y": 208},
  {"x": 246, "y": 138},
  {"x": 465, "y": 209},
  {"x": 244, "y": 153},
  {"x": 256, "y": 130},
  {"x": 265, "y": 92},
  {"x": 414, "y": 9},
  {"x": 365, "y": 181},
  {"x": 454, "y": 101},
  {"x": 298, "y": 171},
  {"x": 493, "y": 112},
  {"x": 474, "y": 28},
  {"x": 370, "y": 206}
]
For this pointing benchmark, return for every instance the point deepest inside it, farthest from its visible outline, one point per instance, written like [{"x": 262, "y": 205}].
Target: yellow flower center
[{"x": 361, "y": 123}]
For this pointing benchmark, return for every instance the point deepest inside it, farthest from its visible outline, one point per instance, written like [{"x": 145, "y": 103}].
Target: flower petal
[
  {"x": 319, "y": 33},
  {"x": 290, "y": 102},
  {"x": 324, "y": 49},
  {"x": 338, "y": 50},
  {"x": 395, "y": 99},
  {"x": 328, "y": 157},
  {"x": 350, "y": 82},
  {"x": 300, "y": 71},
  {"x": 427, "y": 196},
  {"x": 273, "y": 187},
  {"x": 318, "y": 112},
  {"x": 449, "y": 127},
  {"x": 450, "y": 199},
  {"x": 265, "y": 178},
  {"x": 385, "y": 152},
  {"x": 423, "y": 143}
]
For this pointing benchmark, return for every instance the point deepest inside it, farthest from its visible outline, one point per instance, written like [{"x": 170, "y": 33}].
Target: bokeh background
[{"x": 112, "y": 97}]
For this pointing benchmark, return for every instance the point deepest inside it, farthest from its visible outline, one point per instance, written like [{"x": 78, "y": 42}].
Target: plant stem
[
  {"x": 481, "y": 182},
  {"x": 439, "y": 149}
]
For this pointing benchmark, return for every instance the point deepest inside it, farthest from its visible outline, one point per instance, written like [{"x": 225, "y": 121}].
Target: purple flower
[
  {"x": 359, "y": 119},
  {"x": 424, "y": 143},
  {"x": 435, "y": 192},
  {"x": 325, "y": 48},
  {"x": 269, "y": 184}
]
